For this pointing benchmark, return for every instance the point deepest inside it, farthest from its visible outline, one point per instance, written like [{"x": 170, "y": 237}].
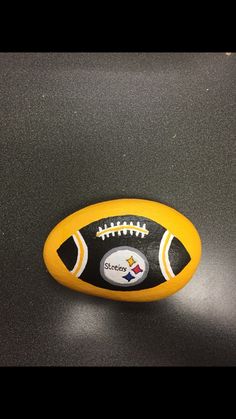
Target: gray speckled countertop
[{"x": 76, "y": 129}]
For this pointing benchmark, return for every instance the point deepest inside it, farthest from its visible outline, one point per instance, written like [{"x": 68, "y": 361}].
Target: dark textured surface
[{"x": 76, "y": 129}]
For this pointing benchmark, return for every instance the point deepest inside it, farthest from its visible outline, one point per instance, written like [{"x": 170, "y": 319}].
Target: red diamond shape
[{"x": 137, "y": 269}]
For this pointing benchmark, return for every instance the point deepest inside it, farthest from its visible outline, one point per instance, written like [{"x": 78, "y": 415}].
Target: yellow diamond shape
[{"x": 131, "y": 261}]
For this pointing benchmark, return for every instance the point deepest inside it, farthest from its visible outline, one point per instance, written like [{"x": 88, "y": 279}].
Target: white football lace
[{"x": 122, "y": 228}]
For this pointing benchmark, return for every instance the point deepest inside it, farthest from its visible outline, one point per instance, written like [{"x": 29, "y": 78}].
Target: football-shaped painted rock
[{"x": 124, "y": 249}]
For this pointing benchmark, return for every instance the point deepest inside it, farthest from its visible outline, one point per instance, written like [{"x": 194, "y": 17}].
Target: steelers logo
[{"x": 124, "y": 266}]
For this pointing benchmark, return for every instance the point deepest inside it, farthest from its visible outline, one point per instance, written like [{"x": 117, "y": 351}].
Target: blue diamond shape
[{"x": 128, "y": 277}]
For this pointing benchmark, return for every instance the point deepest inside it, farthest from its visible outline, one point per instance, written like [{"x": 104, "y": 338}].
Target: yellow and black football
[{"x": 124, "y": 249}]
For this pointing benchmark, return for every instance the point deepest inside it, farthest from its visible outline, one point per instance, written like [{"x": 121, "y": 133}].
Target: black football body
[{"x": 147, "y": 245}]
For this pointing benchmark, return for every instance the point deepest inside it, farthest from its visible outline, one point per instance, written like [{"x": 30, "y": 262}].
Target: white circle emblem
[{"x": 124, "y": 266}]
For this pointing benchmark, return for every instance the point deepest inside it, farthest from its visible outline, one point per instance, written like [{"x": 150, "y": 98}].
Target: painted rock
[{"x": 124, "y": 249}]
